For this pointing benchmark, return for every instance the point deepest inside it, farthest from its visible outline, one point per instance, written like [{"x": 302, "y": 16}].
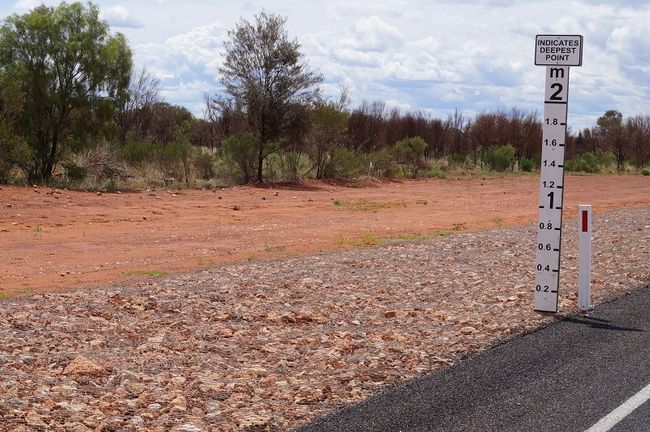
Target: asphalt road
[{"x": 565, "y": 377}]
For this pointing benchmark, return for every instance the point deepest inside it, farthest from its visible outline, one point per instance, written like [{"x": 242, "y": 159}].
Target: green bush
[
  {"x": 137, "y": 152},
  {"x": 204, "y": 165},
  {"x": 526, "y": 165},
  {"x": 345, "y": 164},
  {"x": 606, "y": 160},
  {"x": 240, "y": 151},
  {"x": 292, "y": 165},
  {"x": 436, "y": 172},
  {"x": 380, "y": 164},
  {"x": 456, "y": 158},
  {"x": 586, "y": 162},
  {"x": 500, "y": 158},
  {"x": 409, "y": 153},
  {"x": 74, "y": 171},
  {"x": 112, "y": 186},
  {"x": 645, "y": 172}
]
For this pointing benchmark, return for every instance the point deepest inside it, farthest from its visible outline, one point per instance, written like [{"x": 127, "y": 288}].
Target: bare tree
[{"x": 134, "y": 115}]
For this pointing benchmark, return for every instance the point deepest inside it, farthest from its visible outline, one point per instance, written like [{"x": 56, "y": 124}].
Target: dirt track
[{"x": 55, "y": 239}]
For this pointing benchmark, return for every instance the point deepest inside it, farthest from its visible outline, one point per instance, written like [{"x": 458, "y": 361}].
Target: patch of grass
[
  {"x": 151, "y": 273},
  {"x": 458, "y": 227},
  {"x": 251, "y": 257},
  {"x": 364, "y": 204},
  {"x": 37, "y": 231},
  {"x": 645, "y": 172},
  {"x": 498, "y": 221},
  {"x": 369, "y": 240},
  {"x": 422, "y": 202},
  {"x": 271, "y": 249},
  {"x": 414, "y": 236},
  {"x": 4, "y": 295}
]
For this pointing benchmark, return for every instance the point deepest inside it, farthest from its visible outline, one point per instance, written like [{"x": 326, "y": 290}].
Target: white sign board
[
  {"x": 549, "y": 234},
  {"x": 558, "y": 50}
]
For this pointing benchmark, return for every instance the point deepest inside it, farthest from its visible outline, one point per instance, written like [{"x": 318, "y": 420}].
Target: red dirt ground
[{"x": 56, "y": 239}]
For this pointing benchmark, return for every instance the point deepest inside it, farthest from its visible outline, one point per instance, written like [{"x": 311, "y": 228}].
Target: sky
[{"x": 436, "y": 56}]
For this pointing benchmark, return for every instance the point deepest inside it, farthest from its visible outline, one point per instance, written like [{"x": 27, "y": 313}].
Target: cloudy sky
[{"x": 436, "y": 55}]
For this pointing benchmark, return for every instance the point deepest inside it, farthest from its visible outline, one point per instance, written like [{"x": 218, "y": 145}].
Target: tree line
[{"x": 71, "y": 105}]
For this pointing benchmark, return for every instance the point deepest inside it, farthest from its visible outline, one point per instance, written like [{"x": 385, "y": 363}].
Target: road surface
[{"x": 579, "y": 374}]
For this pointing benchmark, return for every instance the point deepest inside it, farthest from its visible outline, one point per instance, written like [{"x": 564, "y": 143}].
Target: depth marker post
[
  {"x": 584, "y": 258},
  {"x": 557, "y": 53}
]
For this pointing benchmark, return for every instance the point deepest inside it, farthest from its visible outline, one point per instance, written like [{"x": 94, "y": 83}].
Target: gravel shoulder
[{"x": 270, "y": 345}]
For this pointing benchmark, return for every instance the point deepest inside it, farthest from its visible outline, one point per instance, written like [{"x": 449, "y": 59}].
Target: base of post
[{"x": 583, "y": 312}]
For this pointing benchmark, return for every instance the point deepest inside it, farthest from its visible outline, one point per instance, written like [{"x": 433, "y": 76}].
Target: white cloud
[
  {"x": 373, "y": 34},
  {"x": 119, "y": 16}
]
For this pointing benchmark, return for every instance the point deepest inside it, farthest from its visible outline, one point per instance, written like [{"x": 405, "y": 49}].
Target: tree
[
  {"x": 72, "y": 72},
  {"x": 328, "y": 125},
  {"x": 134, "y": 114},
  {"x": 610, "y": 126},
  {"x": 264, "y": 72}
]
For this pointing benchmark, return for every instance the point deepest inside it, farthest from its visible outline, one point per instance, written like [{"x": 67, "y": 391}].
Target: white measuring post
[
  {"x": 584, "y": 258},
  {"x": 557, "y": 53}
]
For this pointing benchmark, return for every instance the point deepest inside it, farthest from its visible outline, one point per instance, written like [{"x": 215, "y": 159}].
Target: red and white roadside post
[{"x": 584, "y": 258}]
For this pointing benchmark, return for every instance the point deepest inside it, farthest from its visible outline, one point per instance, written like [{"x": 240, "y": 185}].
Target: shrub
[
  {"x": 112, "y": 186},
  {"x": 645, "y": 172},
  {"x": 345, "y": 164},
  {"x": 409, "y": 153},
  {"x": 456, "y": 158},
  {"x": 292, "y": 165},
  {"x": 204, "y": 165},
  {"x": 436, "y": 172},
  {"x": 500, "y": 158},
  {"x": 586, "y": 162},
  {"x": 526, "y": 165},
  {"x": 102, "y": 162},
  {"x": 380, "y": 164},
  {"x": 138, "y": 152},
  {"x": 75, "y": 172},
  {"x": 241, "y": 151}
]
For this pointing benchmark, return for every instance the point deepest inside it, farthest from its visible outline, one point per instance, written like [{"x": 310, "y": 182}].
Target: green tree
[
  {"x": 73, "y": 73},
  {"x": 328, "y": 125},
  {"x": 264, "y": 72},
  {"x": 610, "y": 127}
]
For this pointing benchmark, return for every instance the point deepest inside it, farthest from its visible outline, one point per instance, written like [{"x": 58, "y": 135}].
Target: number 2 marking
[{"x": 555, "y": 96}]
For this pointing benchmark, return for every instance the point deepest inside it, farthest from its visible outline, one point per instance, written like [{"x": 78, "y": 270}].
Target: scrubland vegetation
[{"x": 74, "y": 113}]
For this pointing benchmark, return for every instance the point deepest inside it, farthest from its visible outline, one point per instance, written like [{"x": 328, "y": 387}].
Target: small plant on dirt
[
  {"x": 364, "y": 204},
  {"x": 458, "y": 227},
  {"x": 498, "y": 220},
  {"x": 645, "y": 172},
  {"x": 369, "y": 240},
  {"x": 271, "y": 249},
  {"x": 422, "y": 202},
  {"x": 152, "y": 273},
  {"x": 112, "y": 186},
  {"x": 37, "y": 231},
  {"x": 251, "y": 257}
]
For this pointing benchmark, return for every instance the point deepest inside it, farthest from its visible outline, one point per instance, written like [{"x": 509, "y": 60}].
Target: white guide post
[
  {"x": 557, "y": 53},
  {"x": 584, "y": 258}
]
